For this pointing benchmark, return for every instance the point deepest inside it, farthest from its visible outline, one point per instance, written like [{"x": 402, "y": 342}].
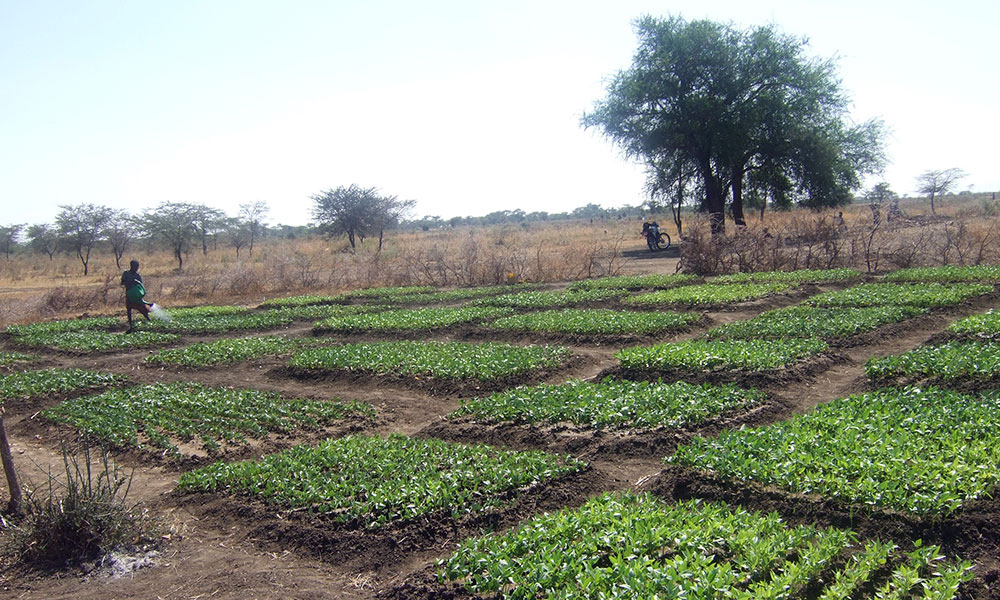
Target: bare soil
[{"x": 225, "y": 547}]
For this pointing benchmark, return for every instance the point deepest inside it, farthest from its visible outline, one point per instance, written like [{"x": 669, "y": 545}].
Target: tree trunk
[
  {"x": 16, "y": 504},
  {"x": 676, "y": 209},
  {"x": 350, "y": 237},
  {"x": 715, "y": 202},
  {"x": 180, "y": 259},
  {"x": 737, "y": 205},
  {"x": 715, "y": 197},
  {"x": 932, "y": 204}
]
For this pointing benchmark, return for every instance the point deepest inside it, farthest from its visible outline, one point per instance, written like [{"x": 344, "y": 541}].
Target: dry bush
[{"x": 811, "y": 240}]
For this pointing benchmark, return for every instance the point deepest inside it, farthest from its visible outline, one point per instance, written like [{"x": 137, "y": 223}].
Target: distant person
[
  {"x": 135, "y": 294},
  {"x": 839, "y": 222}
]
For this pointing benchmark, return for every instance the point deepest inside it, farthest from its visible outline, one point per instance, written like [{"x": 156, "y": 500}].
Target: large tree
[
  {"x": 174, "y": 223},
  {"x": 710, "y": 107},
  {"x": 939, "y": 182},
  {"x": 358, "y": 212},
  {"x": 82, "y": 227}
]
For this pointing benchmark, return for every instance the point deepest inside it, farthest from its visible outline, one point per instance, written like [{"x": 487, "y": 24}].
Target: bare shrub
[{"x": 82, "y": 515}]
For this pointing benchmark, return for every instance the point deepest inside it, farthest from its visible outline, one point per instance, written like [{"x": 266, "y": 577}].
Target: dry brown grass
[
  {"x": 33, "y": 287},
  {"x": 965, "y": 231}
]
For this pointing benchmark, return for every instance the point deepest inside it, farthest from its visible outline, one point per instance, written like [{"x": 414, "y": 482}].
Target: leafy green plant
[
  {"x": 295, "y": 301},
  {"x": 228, "y": 351},
  {"x": 10, "y": 358},
  {"x": 551, "y": 299},
  {"x": 63, "y": 326},
  {"x": 985, "y": 325},
  {"x": 708, "y": 294},
  {"x": 462, "y": 293},
  {"x": 95, "y": 341},
  {"x": 410, "y": 319},
  {"x": 628, "y": 546},
  {"x": 190, "y": 411},
  {"x": 634, "y": 282},
  {"x": 811, "y": 321},
  {"x": 709, "y": 355},
  {"x": 596, "y": 321},
  {"x": 369, "y": 482},
  {"x": 610, "y": 403},
  {"x": 928, "y": 295},
  {"x": 949, "y": 362},
  {"x": 947, "y": 274},
  {"x": 29, "y": 384},
  {"x": 795, "y": 277},
  {"x": 387, "y": 293},
  {"x": 447, "y": 360},
  {"x": 924, "y": 451},
  {"x": 858, "y": 570}
]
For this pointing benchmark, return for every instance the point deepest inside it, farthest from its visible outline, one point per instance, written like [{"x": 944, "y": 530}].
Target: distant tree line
[{"x": 83, "y": 229}]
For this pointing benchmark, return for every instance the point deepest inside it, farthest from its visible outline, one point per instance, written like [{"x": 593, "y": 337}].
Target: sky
[{"x": 466, "y": 107}]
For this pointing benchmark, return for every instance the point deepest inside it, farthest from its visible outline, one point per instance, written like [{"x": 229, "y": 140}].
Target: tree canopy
[
  {"x": 358, "y": 211},
  {"x": 723, "y": 111},
  {"x": 938, "y": 182}
]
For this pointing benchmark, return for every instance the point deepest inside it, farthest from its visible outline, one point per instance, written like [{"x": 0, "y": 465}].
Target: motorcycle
[{"x": 655, "y": 239}]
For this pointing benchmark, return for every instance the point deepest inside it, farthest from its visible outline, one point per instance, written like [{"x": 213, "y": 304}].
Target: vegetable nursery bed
[
  {"x": 767, "y": 379},
  {"x": 972, "y": 533}
]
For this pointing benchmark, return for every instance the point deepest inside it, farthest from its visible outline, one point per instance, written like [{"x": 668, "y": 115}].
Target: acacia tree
[
  {"x": 81, "y": 227},
  {"x": 119, "y": 232},
  {"x": 707, "y": 105},
  {"x": 8, "y": 237},
  {"x": 253, "y": 215},
  {"x": 358, "y": 212},
  {"x": 937, "y": 183},
  {"x": 207, "y": 222},
  {"x": 172, "y": 222},
  {"x": 43, "y": 238}
]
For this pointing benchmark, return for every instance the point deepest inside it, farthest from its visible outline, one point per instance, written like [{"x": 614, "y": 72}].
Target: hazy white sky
[{"x": 466, "y": 107}]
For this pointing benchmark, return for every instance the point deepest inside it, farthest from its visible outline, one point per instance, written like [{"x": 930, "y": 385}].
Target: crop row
[
  {"x": 29, "y": 384},
  {"x": 228, "y": 351},
  {"x": 190, "y": 412},
  {"x": 947, "y": 274},
  {"x": 410, "y": 319},
  {"x": 919, "y": 450},
  {"x": 708, "y": 294},
  {"x": 368, "y": 482},
  {"x": 928, "y": 295},
  {"x": 611, "y": 404},
  {"x": 10, "y": 358},
  {"x": 635, "y": 282},
  {"x": 811, "y": 321},
  {"x": 794, "y": 277},
  {"x": 950, "y": 362},
  {"x": 447, "y": 360},
  {"x": 63, "y": 326},
  {"x": 403, "y": 295},
  {"x": 707, "y": 355},
  {"x": 596, "y": 321},
  {"x": 984, "y": 325},
  {"x": 95, "y": 341},
  {"x": 552, "y": 299},
  {"x": 620, "y": 546}
]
